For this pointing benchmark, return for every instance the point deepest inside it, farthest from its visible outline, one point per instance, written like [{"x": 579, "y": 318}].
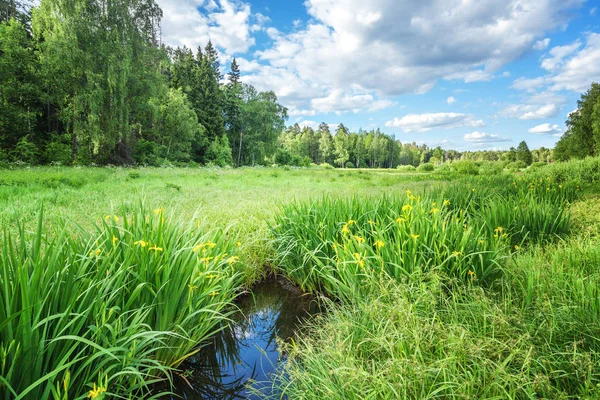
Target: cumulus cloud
[
  {"x": 393, "y": 47},
  {"x": 557, "y": 55},
  {"x": 571, "y": 67},
  {"x": 547, "y": 129},
  {"x": 193, "y": 23},
  {"x": 451, "y": 100},
  {"x": 542, "y": 44},
  {"x": 484, "y": 138},
  {"x": 427, "y": 122}
]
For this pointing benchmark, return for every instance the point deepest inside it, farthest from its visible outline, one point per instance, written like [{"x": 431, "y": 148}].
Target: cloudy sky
[{"x": 466, "y": 74}]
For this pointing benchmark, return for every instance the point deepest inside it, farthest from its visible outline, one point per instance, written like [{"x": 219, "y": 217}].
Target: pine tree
[{"x": 524, "y": 154}]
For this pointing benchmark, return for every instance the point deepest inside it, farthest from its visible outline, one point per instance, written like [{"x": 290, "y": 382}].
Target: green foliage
[
  {"x": 465, "y": 168},
  {"x": 425, "y": 168},
  {"x": 117, "y": 308},
  {"x": 524, "y": 154},
  {"x": 349, "y": 164},
  {"x": 19, "y": 93},
  {"x": 516, "y": 165},
  {"x": 58, "y": 150},
  {"x": 582, "y": 138},
  {"x": 406, "y": 168}
]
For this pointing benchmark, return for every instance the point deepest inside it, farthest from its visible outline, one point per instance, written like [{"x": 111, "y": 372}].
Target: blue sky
[{"x": 464, "y": 74}]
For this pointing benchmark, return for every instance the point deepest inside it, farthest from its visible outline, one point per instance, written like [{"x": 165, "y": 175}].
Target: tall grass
[
  {"x": 111, "y": 312},
  {"x": 339, "y": 245}
]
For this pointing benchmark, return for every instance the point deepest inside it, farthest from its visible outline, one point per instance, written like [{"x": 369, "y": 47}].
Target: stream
[{"x": 246, "y": 351}]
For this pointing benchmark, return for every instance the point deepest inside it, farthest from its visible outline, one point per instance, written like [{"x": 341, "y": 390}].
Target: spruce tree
[{"x": 524, "y": 154}]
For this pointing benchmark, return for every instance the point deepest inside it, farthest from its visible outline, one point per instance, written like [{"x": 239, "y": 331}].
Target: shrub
[
  {"x": 465, "y": 168},
  {"x": 406, "y": 168},
  {"x": 516, "y": 165},
  {"x": 349, "y": 164},
  {"x": 326, "y": 166},
  {"x": 426, "y": 168}
]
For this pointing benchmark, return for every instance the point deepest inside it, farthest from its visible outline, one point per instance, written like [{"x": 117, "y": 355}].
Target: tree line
[
  {"x": 89, "y": 82},
  {"x": 303, "y": 146},
  {"x": 85, "y": 82}
]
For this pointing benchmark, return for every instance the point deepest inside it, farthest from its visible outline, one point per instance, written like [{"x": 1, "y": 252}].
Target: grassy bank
[
  {"x": 443, "y": 286},
  {"x": 505, "y": 307}
]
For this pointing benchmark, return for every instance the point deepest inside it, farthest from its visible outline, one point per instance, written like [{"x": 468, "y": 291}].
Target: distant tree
[
  {"x": 582, "y": 137},
  {"x": 325, "y": 142},
  {"x": 340, "y": 142},
  {"x": 19, "y": 90},
  {"x": 524, "y": 154}
]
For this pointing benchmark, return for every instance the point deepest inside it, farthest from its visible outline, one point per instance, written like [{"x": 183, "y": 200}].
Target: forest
[{"x": 91, "y": 83}]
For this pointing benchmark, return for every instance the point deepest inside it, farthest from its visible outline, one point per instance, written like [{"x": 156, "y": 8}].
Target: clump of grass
[
  {"x": 338, "y": 246},
  {"x": 113, "y": 311},
  {"x": 420, "y": 340}
]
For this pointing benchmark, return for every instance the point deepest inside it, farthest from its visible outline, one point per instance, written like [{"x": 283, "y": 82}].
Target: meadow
[{"x": 439, "y": 285}]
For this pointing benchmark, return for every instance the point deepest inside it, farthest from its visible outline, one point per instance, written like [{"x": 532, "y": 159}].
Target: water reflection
[{"x": 246, "y": 352}]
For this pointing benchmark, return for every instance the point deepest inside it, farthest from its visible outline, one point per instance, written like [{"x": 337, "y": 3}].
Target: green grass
[
  {"x": 442, "y": 286},
  {"x": 118, "y": 307}
]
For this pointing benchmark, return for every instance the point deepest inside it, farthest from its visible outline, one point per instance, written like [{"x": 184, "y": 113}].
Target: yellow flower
[
  {"x": 379, "y": 244},
  {"x": 457, "y": 253},
  {"x": 481, "y": 242},
  {"x": 407, "y": 207},
  {"x": 193, "y": 288},
  {"x": 415, "y": 236},
  {"x": 238, "y": 244},
  {"x": 498, "y": 230},
  {"x": 359, "y": 239},
  {"x": 198, "y": 223},
  {"x": 359, "y": 259},
  {"x": 345, "y": 229},
  {"x": 213, "y": 294},
  {"x": 95, "y": 253},
  {"x": 352, "y": 222},
  {"x": 141, "y": 243},
  {"x": 474, "y": 190},
  {"x": 159, "y": 211},
  {"x": 97, "y": 391},
  {"x": 206, "y": 260},
  {"x": 372, "y": 222},
  {"x": 434, "y": 210},
  {"x": 446, "y": 203},
  {"x": 408, "y": 193},
  {"x": 115, "y": 239},
  {"x": 400, "y": 220},
  {"x": 212, "y": 276},
  {"x": 233, "y": 260},
  {"x": 517, "y": 247},
  {"x": 155, "y": 248},
  {"x": 116, "y": 219},
  {"x": 472, "y": 274}
]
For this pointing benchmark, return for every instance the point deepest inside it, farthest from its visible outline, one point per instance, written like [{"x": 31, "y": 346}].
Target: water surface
[{"x": 246, "y": 351}]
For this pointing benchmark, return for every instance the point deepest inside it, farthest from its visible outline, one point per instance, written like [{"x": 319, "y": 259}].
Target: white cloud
[
  {"x": 556, "y": 56},
  {"x": 427, "y": 122},
  {"x": 578, "y": 73},
  {"x": 338, "y": 101},
  {"x": 193, "y": 23},
  {"x": 451, "y": 100},
  {"x": 529, "y": 85},
  {"x": 546, "y": 111},
  {"x": 593, "y": 11},
  {"x": 572, "y": 67},
  {"x": 542, "y": 44},
  {"x": 393, "y": 47},
  {"x": 546, "y": 129},
  {"x": 539, "y": 105},
  {"x": 480, "y": 138}
]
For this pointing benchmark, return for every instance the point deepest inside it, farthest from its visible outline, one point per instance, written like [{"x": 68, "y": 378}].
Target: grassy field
[{"x": 442, "y": 286}]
